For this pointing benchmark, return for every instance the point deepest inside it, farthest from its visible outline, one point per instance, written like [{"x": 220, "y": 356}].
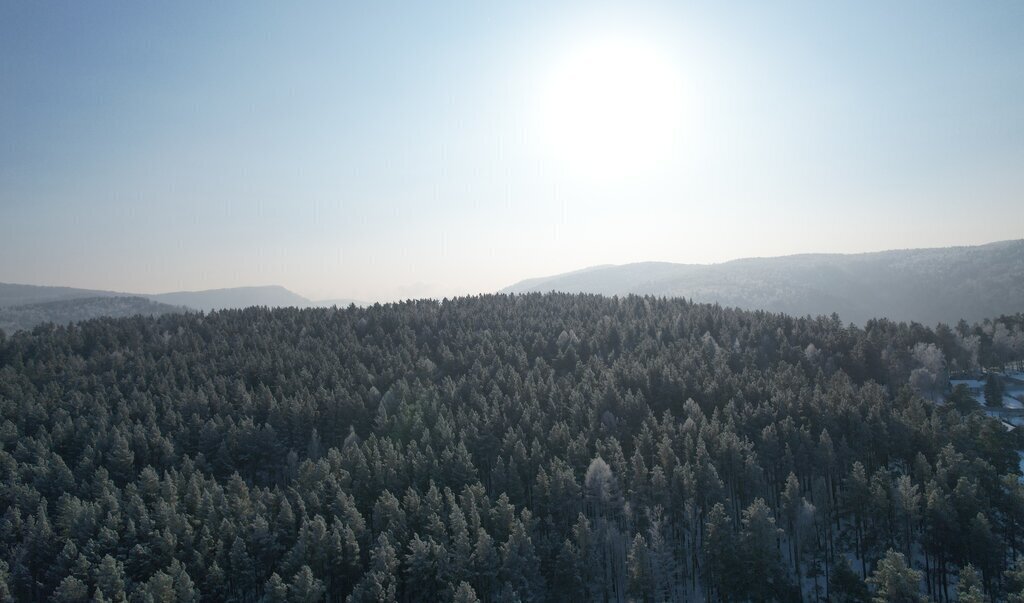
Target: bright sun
[{"x": 611, "y": 107}]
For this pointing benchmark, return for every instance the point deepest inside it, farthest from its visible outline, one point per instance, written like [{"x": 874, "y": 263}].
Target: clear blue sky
[{"x": 377, "y": 150}]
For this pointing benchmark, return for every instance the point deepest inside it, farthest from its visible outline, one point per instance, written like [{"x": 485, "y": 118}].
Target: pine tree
[
  {"x": 275, "y": 590},
  {"x": 792, "y": 505},
  {"x": 994, "y": 391},
  {"x": 379, "y": 583},
  {"x": 962, "y": 400},
  {"x": 969, "y": 588},
  {"x": 763, "y": 578},
  {"x": 483, "y": 562},
  {"x": 422, "y": 567},
  {"x": 71, "y": 590},
  {"x": 5, "y": 588},
  {"x": 983, "y": 547},
  {"x": 305, "y": 587},
  {"x": 908, "y": 510},
  {"x": 159, "y": 587},
  {"x": 895, "y": 582},
  {"x": 241, "y": 566},
  {"x": 465, "y": 594},
  {"x": 721, "y": 563},
  {"x": 110, "y": 578},
  {"x": 1015, "y": 582},
  {"x": 520, "y": 565},
  {"x": 640, "y": 583},
  {"x": 121, "y": 459},
  {"x": 845, "y": 585}
]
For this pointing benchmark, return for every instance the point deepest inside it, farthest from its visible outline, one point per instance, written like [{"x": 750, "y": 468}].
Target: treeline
[{"x": 503, "y": 448}]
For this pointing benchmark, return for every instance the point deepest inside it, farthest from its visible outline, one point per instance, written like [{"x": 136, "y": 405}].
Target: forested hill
[
  {"x": 25, "y": 306},
  {"x": 501, "y": 448},
  {"x": 16, "y": 318},
  {"x": 923, "y": 285},
  {"x": 211, "y": 299},
  {"x": 12, "y": 294}
]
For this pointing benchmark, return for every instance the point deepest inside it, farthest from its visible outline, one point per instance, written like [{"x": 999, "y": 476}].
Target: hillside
[
  {"x": 497, "y": 448},
  {"x": 12, "y": 294},
  {"x": 17, "y": 318},
  {"x": 923, "y": 285},
  {"x": 24, "y": 306},
  {"x": 272, "y": 296}
]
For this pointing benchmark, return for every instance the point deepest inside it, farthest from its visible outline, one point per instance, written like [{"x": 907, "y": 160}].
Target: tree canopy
[{"x": 501, "y": 448}]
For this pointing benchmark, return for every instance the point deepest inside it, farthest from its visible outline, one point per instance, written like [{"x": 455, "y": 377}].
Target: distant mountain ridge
[
  {"x": 923, "y": 285},
  {"x": 273, "y": 296},
  {"x": 24, "y": 306},
  {"x": 12, "y": 294}
]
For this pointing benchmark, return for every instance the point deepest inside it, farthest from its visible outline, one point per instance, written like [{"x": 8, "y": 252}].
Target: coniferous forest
[{"x": 506, "y": 448}]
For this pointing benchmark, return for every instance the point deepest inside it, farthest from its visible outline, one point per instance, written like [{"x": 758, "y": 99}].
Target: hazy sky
[{"x": 376, "y": 150}]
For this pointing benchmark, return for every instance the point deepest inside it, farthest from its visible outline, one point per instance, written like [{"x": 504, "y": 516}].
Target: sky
[{"x": 382, "y": 150}]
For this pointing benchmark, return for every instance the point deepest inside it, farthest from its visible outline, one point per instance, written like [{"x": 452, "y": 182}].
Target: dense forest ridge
[
  {"x": 272, "y": 296},
  {"x": 18, "y": 318},
  {"x": 500, "y": 448},
  {"x": 25, "y": 306},
  {"x": 236, "y": 297},
  {"x": 923, "y": 285}
]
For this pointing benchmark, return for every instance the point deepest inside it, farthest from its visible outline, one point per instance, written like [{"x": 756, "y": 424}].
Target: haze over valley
[
  {"x": 24, "y": 306},
  {"x": 928, "y": 286}
]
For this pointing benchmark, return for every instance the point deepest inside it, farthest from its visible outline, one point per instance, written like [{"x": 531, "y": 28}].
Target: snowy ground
[
  {"x": 1009, "y": 402},
  {"x": 1015, "y": 421},
  {"x": 970, "y": 383},
  {"x": 1011, "y": 397}
]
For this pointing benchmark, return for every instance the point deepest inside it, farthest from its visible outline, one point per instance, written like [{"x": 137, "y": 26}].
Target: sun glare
[{"x": 612, "y": 107}]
